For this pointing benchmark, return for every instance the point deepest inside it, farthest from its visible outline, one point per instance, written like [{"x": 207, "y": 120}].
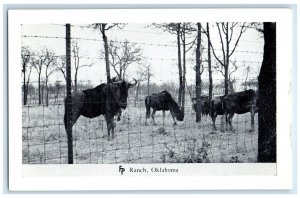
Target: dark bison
[
  {"x": 216, "y": 109},
  {"x": 205, "y": 109},
  {"x": 239, "y": 103},
  {"x": 105, "y": 99},
  {"x": 163, "y": 101}
]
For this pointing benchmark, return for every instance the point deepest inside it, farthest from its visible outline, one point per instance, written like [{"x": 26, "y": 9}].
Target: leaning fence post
[{"x": 69, "y": 102}]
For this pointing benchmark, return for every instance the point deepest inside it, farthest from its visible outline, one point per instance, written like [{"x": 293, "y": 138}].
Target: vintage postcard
[{"x": 140, "y": 98}]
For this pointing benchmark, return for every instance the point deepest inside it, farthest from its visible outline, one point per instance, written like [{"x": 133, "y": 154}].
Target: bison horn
[
  {"x": 131, "y": 85},
  {"x": 117, "y": 82}
]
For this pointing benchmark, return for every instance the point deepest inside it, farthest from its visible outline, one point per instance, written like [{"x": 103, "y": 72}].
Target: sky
[{"x": 159, "y": 49}]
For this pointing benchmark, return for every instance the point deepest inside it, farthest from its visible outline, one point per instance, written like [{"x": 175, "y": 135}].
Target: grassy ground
[{"x": 44, "y": 138}]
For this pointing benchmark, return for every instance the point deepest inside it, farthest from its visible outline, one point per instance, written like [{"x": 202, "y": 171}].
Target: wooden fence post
[{"x": 69, "y": 89}]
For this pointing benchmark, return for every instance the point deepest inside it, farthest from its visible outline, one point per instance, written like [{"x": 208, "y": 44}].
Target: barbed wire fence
[{"x": 45, "y": 141}]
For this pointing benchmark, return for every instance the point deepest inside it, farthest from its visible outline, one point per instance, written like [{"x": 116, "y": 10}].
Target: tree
[
  {"x": 142, "y": 74},
  {"x": 198, "y": 75},
  {"x": 122, "y": 55},
  {"x": 38, "y": 62},
  {"x": 246, "y": 79},
  {"x": 267, "y": 97},
  {"x": 181, "y": 30},
  {"x": 26, "y": 55},
  {"x": 57, "y": 89},
  {"x": 209, "y": 64},
  {"x": 149, "y": 74},
  {"x": 103, "y": 27},
  {"x": 77, "y": 62},
  {"x": 61, "y": 66},
  {"x": 226, "y": 32},
  {"x": 232, "y": 80},
  {"x": 187, "y": 28},
  {"x": 50, "y": 68}
]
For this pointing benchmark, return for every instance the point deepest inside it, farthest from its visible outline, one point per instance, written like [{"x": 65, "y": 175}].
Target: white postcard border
[{"x": 19, "y": 179}]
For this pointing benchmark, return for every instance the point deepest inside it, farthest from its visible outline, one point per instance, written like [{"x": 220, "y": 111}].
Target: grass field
[{"x": 44, "y": 138}]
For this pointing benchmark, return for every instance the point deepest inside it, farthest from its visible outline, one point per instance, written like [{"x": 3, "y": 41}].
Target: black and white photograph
[
  {"x": 141, "y": 97},
  {"x": 110, "y": 93}
]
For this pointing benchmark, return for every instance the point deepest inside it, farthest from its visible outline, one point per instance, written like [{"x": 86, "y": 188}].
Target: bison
[
  {"x": 205, "y": 106},
  {"x": 163, "y": 101},
  {"x": 227, "y": 105},
  {"x": 239, "y": 103},
  {"x": 216, "y": 109},
  {"x": 105, "y": 99}
]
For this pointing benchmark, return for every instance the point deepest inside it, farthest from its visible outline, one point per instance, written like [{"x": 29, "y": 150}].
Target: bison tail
[{"x": 147, "y": 103}]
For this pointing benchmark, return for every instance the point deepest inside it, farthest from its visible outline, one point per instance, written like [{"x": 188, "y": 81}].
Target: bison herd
[{"x": 108, "y": 100}]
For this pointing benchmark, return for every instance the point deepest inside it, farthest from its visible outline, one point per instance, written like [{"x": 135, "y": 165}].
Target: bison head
[
  {"x": 180, "y": 114},
  {"x": 119, "y": 90}
]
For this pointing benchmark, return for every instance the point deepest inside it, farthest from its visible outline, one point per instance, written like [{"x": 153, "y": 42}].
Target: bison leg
[
  {"x": 214, "y": 117},
  {"x": 147, "y": 114},
  {"x": 252, "y": 119},
  {"x": 173, "y": 116},
  {"x": 110, "y": 125},
  {"x": 75, "y": 116},
  {"x": 222, "y": 121},
  {"x": 229, "y": 119},
  {"x": 152, "y": 115},
  {"x": 119, "y": 115}
]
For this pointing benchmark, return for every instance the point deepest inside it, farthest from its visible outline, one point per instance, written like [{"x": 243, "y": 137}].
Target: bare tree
[
  {"x": 77, "y": 57},
  {"x": 122, "y": 55},
  {"x": 198, "y": 75},
  {"x": 50, "y": 68},
  {"x": 187, "y": 28},
  {"x": 267, "y": 98},
  {"x": 57, "y": 87},
  {"x": 26, "y": 55},
  {"x": 231, "y": 79},
  {"x": 38, "y": 61},
  {"x": 61, "y": 66},
  {"x": 143, "y": 73},
  {"x": 77, "y": 63},
  {"x": 226, "y": 32},
  {"x": 175, "y": 28},
  {"x": 103, "y": 27},
  {"x": 209, "y": 64},
  {"x": 247, "y": 74},
  {"x": 181, "y": 30},
  {"x": 149, "y": 74}
]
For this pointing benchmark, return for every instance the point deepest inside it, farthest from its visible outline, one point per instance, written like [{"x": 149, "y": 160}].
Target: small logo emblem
[{"x": 121, "y": 170}]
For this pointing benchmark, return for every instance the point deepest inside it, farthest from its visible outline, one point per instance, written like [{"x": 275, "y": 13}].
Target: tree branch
[
  {"x": 243, "y": 29},
  {"x": 221, "y": 39}
]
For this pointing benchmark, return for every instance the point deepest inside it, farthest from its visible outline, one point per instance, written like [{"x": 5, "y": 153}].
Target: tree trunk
[
  {"x": 226, "y": 67},
  {"x": 75, "y": 80},
  {"x": 137, "y": 93},
  {"x": 27, "y": 86},
  {"x": 184, "y": 70},
  {"x": 47, "y": 95},
  {"x": 39, "y": 88},
  {"x": 179, "y": 64},
  {"x": 120, "y": 73},
  {"x": 198, "y": 75},
  {"x": 24, "y": 85},
  {"x": 267, "y": 98},
  {"x": 209, "y": 65},
  {"x": 42, "y": 94},
  {"x": 148, "y": 86},
  {"x": 106, "y": 53}
]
